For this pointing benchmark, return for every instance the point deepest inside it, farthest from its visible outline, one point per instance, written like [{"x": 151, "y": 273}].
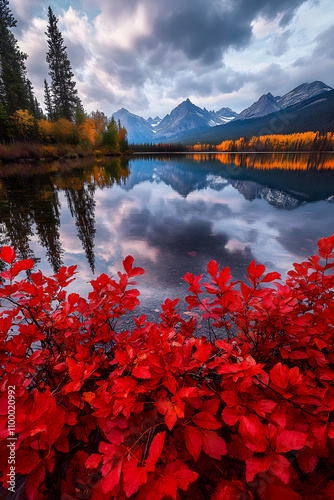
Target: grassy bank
[{"x": 36, "y": 151}]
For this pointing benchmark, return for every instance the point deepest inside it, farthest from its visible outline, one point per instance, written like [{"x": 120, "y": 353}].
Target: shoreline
[
  {"x": 31, "y": 152},
  {"x": 27, "y": 153}
]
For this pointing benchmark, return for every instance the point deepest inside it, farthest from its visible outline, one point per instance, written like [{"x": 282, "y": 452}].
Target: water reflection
[
  {"x": 30, "y": 206},
  {"x": 172, "y": 213}
]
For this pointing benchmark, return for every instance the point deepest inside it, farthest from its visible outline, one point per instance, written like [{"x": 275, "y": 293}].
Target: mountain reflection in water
[{"x": 172, "y": 213}]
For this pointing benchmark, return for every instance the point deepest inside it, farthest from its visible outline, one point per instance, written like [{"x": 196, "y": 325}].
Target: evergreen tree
[
  {"x": 80, "y": 115},
  {"x": 63, "y": 92},
  {"x": 48, "y": 100},
  {"x": 5, "y": 14},
  {"x": 109, "y": 137},
  {"x": 31, "y": 106},
  {"x": 38, "y": 110},
  {"x": 5, "y": 124},
  {"x": 14, "y": 84}
]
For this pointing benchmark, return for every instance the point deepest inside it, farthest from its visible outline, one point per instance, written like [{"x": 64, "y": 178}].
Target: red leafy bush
[{"x": 156, "y": 413}]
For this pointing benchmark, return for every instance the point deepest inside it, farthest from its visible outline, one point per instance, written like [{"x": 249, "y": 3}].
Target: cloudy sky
[{"x": 149, "y": 55}]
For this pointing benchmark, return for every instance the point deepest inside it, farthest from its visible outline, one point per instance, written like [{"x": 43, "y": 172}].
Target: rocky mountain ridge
[
  {"x": 187, "y": 117},
  {"x": 267, "y": 103}
]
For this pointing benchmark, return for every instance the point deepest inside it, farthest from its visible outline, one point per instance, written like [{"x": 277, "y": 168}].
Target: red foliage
[{"x": 155, "y": 413}]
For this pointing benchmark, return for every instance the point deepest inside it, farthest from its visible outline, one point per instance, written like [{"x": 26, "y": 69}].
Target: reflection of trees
[
  {"x": 47, "y": 219},
  {"x": 115, "y": 171},
  {"x": 101, "y": 174},
  {"x": 79, "y": 187},
  {"x": 16, "y": 219},
  {"x": 28, "y": 201},
  {"x": 280, "y": 161},
  {"x": 82, "y": 207}
]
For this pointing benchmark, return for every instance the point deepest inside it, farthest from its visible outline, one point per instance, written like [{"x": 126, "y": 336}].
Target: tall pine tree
[
  {"x": 14, "y": 86},
  {"x": 64, "y": 95}
]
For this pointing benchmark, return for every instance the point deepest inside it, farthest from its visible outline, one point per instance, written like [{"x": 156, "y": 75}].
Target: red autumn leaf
[
  {"x": 203, "y": 351},
  {"x": 141, "y": 372},
  {"x": 136, "y": 271},
  {"x": 253, "y": 433},
  {"x": 270, "y": 277},
  {"x": 8, "y": 254},
  {"x": 132, "y": 476},
  {"x": 283, "y": 377},
  {"x": 325, "y": 246},
  {"x": 173, "y": 411},
  {"x": 281, "y": 468},
  {"x": 22, "y": 265},
  {"x": 155, "y": 450},
  {"x": 290, "y": 440},
  {"x": 211, "y": 406},
  {"x": 213, "y": 445},
  {"x": 206, "y": 421},
  {"x": 193, "y": 441},
  {"x": 127, "y": 264},
  {"x": 187, "y": 392},
  {"x": 256, "y": 465},
  {"x": 93, "y": 461},
  {"x": 181, "y": 474},
  {"x": 213, "y": 268},
  {"x": 245, "y": 290},
  {"x": 112, "y": 479},
  {"x": 277, "y": 464},
  {"x": 115, "y": 436},
  {"x": 321, "y": 433},
  {"x": 255, "y": 271},
  {"x": 175, "y": 475},
  {"x": 232, "y": 415},
  {"x": 263, "y": 406}
]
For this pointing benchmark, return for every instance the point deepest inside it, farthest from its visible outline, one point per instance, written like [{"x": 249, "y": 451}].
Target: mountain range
[
  {"x": 184, "y": 118},
  {"x": 310, "y": 106}
]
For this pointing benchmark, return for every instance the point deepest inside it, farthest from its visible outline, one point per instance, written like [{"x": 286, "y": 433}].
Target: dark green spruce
[
  {"x": 63, "y": 93},
  {"x": 15, "y": 88}
]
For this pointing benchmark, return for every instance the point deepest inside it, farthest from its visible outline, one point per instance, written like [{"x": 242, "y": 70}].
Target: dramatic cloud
[{"x": 147, "y": 56}]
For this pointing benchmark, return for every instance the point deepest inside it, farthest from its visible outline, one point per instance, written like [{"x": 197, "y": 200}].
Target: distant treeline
[
  {"x": 159, "y": 148},
  {"x": 306, "y": 141}
]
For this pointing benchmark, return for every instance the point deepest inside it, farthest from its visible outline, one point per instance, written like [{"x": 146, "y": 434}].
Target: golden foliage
[
  {"x": 88, "y": 131},
  {"x": 45, "y": 130},
  {"x": 63, "y": 130},
  {"x": 23, "y": 121},
  {"x": 305, "y": 141}
]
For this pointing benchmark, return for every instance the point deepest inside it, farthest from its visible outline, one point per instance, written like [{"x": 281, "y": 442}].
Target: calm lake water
[{"x": 171, "y": 213}]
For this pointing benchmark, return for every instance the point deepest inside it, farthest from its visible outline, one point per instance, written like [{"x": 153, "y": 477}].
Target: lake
[{"x": 173, "y": 214}]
